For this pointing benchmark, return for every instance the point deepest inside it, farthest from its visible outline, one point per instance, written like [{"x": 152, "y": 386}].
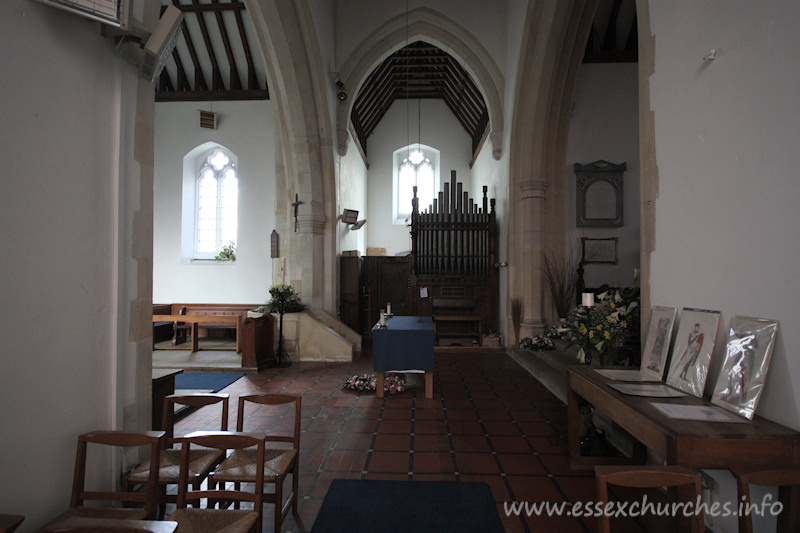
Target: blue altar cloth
[{"x": 405, "y": 344}]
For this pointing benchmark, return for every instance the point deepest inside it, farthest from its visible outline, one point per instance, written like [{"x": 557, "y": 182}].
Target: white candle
[
  {"x": 383, "y": 317},
  {"x": 588, "y": 299},
  {"x": 389, "y": 309}
]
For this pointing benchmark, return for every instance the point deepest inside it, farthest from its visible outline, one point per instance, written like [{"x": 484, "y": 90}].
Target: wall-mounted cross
[{"x": 296, "y": 204}]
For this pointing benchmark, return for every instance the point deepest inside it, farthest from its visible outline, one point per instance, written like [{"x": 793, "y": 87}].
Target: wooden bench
[
  {"x": 455, "y": 318},
  {"x": 254, "y": 336}
]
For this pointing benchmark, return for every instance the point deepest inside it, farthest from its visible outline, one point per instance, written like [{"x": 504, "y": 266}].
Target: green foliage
[
  {"x": 610, "y": 328},
  {"x": 538, "y": 342},
  {"x": 292, "y": 302},
  {"x": 228, "y": 252}
]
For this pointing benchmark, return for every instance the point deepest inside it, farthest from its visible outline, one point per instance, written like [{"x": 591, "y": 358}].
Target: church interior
[{"x": 434, "y": 157}]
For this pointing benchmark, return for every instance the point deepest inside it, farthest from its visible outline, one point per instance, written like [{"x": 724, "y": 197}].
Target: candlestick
[
  {"x": 388, "y": 309},
  {"x": 587, "y": 299},
  {"x": 383, "y": 317}
]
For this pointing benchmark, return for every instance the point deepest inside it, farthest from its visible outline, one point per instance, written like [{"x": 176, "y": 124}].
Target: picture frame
[
  {"x": 691, "y": 355},
  {"x": 599, "y": 250},
  {"x": 747, "y": 356},
  {"x": 656, "y": 347},
  {"x": 599, "y": 194}
]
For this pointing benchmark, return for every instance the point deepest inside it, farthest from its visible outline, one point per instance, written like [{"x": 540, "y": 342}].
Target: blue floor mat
[{"x": 212, "y": 381}]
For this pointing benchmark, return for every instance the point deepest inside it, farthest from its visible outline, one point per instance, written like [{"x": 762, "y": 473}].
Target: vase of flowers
[
  {"x": 283, "y": 292},
  {"x": 608, "y": 330}
]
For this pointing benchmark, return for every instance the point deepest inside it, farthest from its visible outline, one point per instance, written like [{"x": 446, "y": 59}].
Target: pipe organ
[{"x": 453, "y": 272}]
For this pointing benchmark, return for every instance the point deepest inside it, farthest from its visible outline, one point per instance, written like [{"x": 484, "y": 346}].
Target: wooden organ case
[{"x": 453, "y": 272}]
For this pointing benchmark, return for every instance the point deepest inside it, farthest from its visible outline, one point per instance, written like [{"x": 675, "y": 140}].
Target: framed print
[
  {"x": 656, "y": 345},
  {"x": 749, "y": 350},
  {"x": 688, "y": 368},
  {"x": 598, "y": 188},
  {"x": 599, "y": 250}
]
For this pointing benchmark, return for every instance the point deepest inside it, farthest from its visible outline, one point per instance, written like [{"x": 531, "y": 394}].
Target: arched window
[
  {"x": 217, "y": 202},
  {"x": 415, "y": 165}
]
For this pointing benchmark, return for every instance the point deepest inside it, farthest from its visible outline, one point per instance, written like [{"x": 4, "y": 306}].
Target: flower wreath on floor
[{"x": 392, "y": 383}]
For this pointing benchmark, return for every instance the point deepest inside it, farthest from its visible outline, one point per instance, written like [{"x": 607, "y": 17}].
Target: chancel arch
[{"x": 424, "y": 24}]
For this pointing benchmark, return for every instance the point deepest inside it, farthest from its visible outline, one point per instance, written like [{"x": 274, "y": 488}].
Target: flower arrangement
[
  {"x": 558, "y": 332},
  {"x": 392, "y": 383},
  {"x": 608, "y": 328},
  {"x": 538, "y": 342},
  {"x": 292, "y": 302},
  {"x": 228, "y": 252}
]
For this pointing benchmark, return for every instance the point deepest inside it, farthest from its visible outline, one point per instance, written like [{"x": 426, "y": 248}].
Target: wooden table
[
  {"x": 234, "y": 321},
  {"x": 404, "y": 345},
  {"x": 757, "y": 444},
  {"x": 163, "y": 386}
]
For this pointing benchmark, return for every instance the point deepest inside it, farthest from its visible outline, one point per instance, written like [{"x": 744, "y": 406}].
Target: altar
[{"x": 405, "y": 344}]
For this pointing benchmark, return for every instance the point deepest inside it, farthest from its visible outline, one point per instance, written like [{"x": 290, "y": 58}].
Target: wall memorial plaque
[{"x": 598, "y": 190}]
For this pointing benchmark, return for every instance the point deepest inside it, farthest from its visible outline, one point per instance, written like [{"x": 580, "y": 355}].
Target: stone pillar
[{"x": 532, "y": 200}]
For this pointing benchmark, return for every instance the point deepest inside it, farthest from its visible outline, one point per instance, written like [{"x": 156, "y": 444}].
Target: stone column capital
[
  {"x": 311, "y": 224},
  {"x": 534, "y": 188}
]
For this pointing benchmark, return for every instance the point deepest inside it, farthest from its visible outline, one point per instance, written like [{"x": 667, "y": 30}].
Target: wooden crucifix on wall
[{"x": 296, "y": 204}]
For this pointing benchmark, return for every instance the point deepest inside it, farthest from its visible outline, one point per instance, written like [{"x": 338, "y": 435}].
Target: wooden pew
[{"x": 254, "y": 336}]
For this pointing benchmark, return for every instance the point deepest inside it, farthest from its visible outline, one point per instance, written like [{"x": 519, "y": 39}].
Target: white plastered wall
[
  {"x": 726, "y": 150},
  {"x": 605, "y": 125},
  {"x": 246, "y": 129},
  {"x": 440, "y": 130},
  {"x": 76, "y": 207}
]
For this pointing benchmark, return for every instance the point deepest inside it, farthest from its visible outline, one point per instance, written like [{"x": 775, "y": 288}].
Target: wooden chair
[
  {"x": 202, "y": 461},
  {"x": 147, "y": 501},
  {"x": 648, "y": 477},
  {"x": 240, "y": 466},
  {"x": 781, "y": 478},
  {"x": 209, "y": 520}
]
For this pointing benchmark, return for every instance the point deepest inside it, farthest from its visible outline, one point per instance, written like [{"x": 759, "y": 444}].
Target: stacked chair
[
  {"x": 648, "y": 477},
  {"x": 201, "y": 461},
  {"x": 784, "y": 479},
  {"x": 226, "y": 461},
  {"x": 146, "y": 502},
  {"x": 242, "y": 466},
  {"x": 212, "y": 520}
]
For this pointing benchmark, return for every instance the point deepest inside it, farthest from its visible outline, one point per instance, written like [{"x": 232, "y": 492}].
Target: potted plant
[{"x": 228, "y": 252}]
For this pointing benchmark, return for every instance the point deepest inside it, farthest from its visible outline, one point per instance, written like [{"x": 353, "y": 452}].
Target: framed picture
[
  {"x": 599, "y": 250},
  {"x": 688, "y": 368},
  {"x": 656, "y": 346},
  {"x": 598, "y": 188},
  {"x": 749, "y": 350}
]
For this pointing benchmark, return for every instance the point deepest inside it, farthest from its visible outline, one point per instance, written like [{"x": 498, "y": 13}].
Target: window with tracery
[
  {"x": 415, "y": 165},
  {"x": 217, "y": 202}
]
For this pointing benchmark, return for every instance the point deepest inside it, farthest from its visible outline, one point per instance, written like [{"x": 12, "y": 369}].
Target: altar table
[{"x": 404, "y": 345}]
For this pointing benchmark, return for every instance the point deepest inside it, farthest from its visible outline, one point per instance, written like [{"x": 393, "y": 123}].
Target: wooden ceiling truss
[
  {"x": 420, "y": 71},
  {"x": 213, "y": 40}
]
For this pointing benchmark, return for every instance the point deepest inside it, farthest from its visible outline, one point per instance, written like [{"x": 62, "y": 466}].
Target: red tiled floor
[{"x": 489, "y": 421}]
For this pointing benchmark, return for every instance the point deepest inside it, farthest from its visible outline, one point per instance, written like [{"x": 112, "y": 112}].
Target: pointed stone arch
[
  {"x": 424, "y": 24},
  {"x": 554, "y": 39},
  {"x": 303, "y": 148}
]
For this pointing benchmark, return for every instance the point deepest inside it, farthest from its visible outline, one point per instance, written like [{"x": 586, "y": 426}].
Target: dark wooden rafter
[
  {"x": 252, "y": 81},
  {"x": 216, "y": 76},
  {"x": 420, "y": 71},
  {"x": 607, "y": 41},
  {"x": 235, "y": 81},
  {"x": 215, "y": 42}
]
